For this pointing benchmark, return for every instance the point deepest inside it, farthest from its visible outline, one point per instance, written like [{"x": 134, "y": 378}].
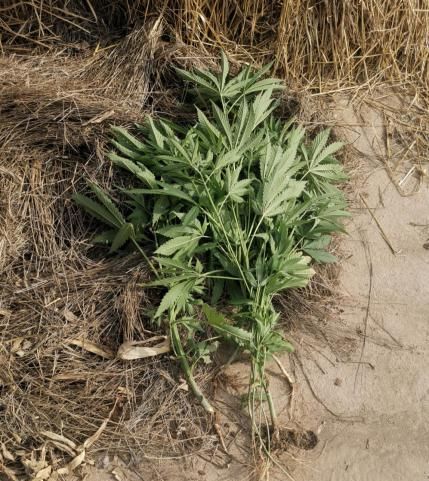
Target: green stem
[
  {"x": 187, "y": 371},
  {"x": 272, "y": 409},
  {"x": 146, "y": 258}
]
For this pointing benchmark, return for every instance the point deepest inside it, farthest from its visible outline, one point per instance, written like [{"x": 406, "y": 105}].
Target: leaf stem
[
  {"x": 181, "y": 355},
  {"x": 146, "y": 258}
]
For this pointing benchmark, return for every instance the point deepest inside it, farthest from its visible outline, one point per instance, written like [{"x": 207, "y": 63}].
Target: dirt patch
[{"x": 386, "y": 382}]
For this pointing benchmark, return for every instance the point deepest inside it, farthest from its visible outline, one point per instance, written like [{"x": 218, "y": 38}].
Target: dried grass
[
  {"x": 58, "y": 292},
  {"x": 311, "y": 41}
]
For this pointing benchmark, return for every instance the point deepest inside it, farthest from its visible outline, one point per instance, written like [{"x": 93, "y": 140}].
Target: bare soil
[{"x": 385, "y": 386}]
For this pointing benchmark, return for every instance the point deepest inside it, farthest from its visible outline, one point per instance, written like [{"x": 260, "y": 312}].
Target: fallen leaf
[
  {"x": 97, "y": 119},
  {"x": 184, "y": 386},
  {"x": 6, "y": 453},
  {"x": 43, "y": 474},
  {"x": 89, "y": 346},
  {"x": 69, "y": 376},
  {"x": 63, "y": 447},
  {"x": 118, "y": 474},
  {"x": 10, "y": 473},
  {"x": 60, "y": 438},
  {"x": 136, "y": 349},
  {"x": 16, "y": 344},
  {"x": 69, "y": 316},
  {"x": 73, "y": 464}
]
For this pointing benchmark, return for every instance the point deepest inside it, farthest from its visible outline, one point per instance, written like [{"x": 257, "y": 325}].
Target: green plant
[{"x": 228, "y": 206}]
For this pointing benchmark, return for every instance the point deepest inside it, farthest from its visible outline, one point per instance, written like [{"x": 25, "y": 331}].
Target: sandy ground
[
  {"x": 387, "y": 301},
  {"x": 372, "y": 411}
]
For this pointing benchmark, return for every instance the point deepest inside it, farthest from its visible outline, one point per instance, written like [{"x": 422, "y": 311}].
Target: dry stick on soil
[
  {"x": 302, "y": 37},
  {"x": 383, "y": 234},
  {"x": 368, "y": 258},
  {"x": 399, "y": 344},
  {"x": 319, "y": 400},
  {"x": 218, "y": 430},
  {"x": 398, "y": 185},
  {"x": 45, "y": 269},
  {"x": 290, "y": 382}
]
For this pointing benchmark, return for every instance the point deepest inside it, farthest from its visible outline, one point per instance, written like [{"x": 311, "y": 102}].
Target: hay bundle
[{"x": 311, "y": 41}]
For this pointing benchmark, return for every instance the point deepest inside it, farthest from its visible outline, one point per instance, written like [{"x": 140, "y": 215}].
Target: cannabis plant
[{"x": 228, "y": 212}]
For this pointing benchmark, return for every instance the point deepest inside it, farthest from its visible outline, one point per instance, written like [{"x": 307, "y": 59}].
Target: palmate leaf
[
  {"x": 161, "y": 208},
  {"x": 320, "y": 255},
  {"x": 96, "y": 210},
  {"x": 124, "y": 138},
  {"x": 105, "y": 238},
  {"x": 236, "y": 189},
  {"x": 291, "y": 271},
  {"x": 203, "y": 84},
  {"x": 321, "y": 242},
  {"x": 223, "y": 123},
  {"x": 227, "y": 158},
  {"x": 173, "y": 231},
  {"x": 176, "y": 296},
  {"x": 276, "y": 161},
  {"x": 126, "y": 150},
  {"x": 140, "y": 171},
  {"x": 167, "y": 191},
  {"x": 276, "y": 192},
  {"x": 115, "y": 237},
  {"x": 212, "y": 131},
  {"x": 230, "y": 203},
  {"x": 240, "y": 189},
  {"x": 217, "y": 290},
  {"x": 262, "y": 106},
  {"x": 202, "y": 351},
  {"x": 107, "y": 203},
  {"x": 178, "y": 243},
  {"x": 275, "y": 342},
  {"x": 264, "y": 85},
  {"x": 328, "y": 171},
  {"x": 218, "y": 322},
  {"x": 155, "y": 134},
  {"x": 124, "y": 234},
  {"x": 328, "y": 151},
  {"x": 319, "y": 143},
  {"x": 106, "y": 211},
  {"x": 316, "y": 249}
]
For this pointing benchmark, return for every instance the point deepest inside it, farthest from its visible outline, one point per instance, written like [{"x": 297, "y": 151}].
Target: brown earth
[{"x": 387, "y": 302}]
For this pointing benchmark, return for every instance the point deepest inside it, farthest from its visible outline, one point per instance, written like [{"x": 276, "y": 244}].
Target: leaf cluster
[{"x": 233, "y": 208}]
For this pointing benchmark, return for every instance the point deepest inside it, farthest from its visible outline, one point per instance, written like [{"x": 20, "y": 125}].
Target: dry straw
[
  {"x": 311, "y": 41},
  {"x": 65, "y": 312}
]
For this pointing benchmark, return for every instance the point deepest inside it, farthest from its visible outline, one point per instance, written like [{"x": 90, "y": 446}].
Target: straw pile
[
  {"x": 64, "y": 308},
  {"x": 68, "y": 70},
  {"x": 312, "y": 41}
]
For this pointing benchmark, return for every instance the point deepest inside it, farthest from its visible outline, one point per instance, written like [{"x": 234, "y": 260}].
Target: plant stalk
[
  {"x": 180, "y": 353},
  {"x": 146, "y": 258},
  {"x": 273, "y": 415}
]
